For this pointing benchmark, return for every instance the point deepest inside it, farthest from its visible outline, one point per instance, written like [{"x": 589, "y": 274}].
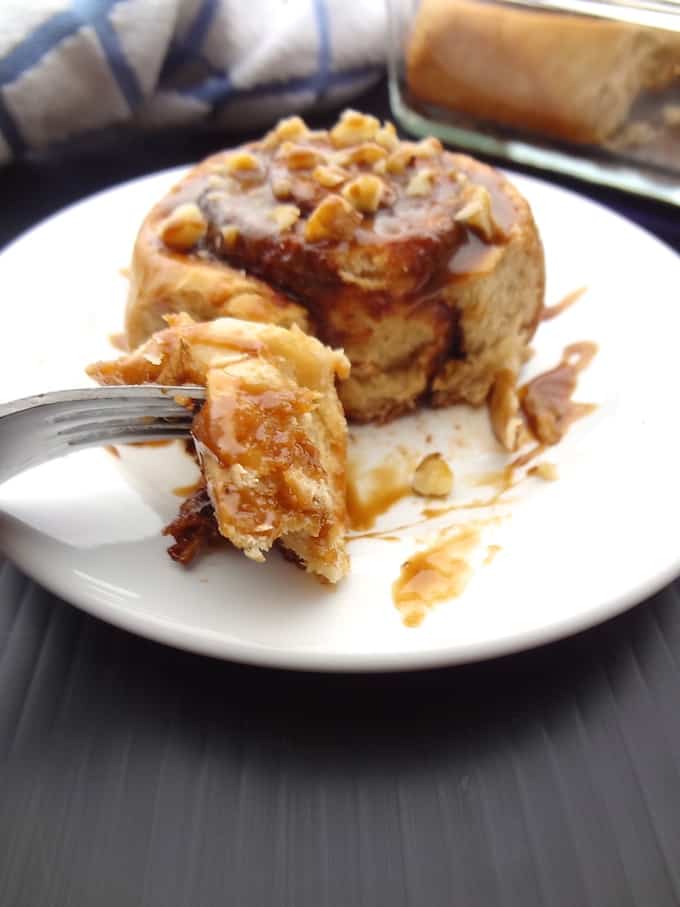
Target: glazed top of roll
[{"x": 353, "y": 205}]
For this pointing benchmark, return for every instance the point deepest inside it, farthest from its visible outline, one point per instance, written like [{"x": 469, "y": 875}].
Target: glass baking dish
[{"x": 585, "y": 87}]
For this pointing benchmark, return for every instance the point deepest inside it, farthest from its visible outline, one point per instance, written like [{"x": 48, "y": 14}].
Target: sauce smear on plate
[
  {"x": 438, "y": 572},
  {"x": 546, "y": 400}
]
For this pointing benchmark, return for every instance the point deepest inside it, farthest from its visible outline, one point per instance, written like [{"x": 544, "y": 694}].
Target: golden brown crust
[
  {"x": 572, "y": 77},
  {"x": 425, "y": 266}
]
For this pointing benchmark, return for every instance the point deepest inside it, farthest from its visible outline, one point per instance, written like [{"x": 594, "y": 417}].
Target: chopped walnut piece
[
  {"x": 183, "y": 228},
  {"x": 546, "y": 471},
  {"x": 433, "y": 477},
  {"x": 282, "y": 188},
  {"x": 330, "y": 177},
  {"x": 387, "y": 136},
  {"x": 241, "y": 161},
  {"x": 353, "y": 127},
  {"x": 285, "y": 216},
  {"x": 506, "y": 421},
  {"x": 364, "y": 192},
  {"x": 399, "y": 160},
  {"x": 428, "y": 147},
  {"x": 421, "y": 182},
  {"x": 333, "y": 218},
  {"x": 300, "y": 157},
  {"x": 317, "y": 135},
  {"x": 476, "y": 213},
  {"x": 407, "y": 152},
  {"x": 366, "y": 153},
  {"x": 286, "y": 130}
]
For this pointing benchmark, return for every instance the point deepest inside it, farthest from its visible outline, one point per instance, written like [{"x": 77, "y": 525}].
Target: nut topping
[
  {"x": 429, "y": 147},
  {"x": 433, "y": 477},
  {"x": 421, "y": 182},
  {"x": 399, "y": 160},
  {"x": 300, "y": 157},
  {"x": 352, "y": 128},
  {"x": 330, "y": 177},
  {"x": 333, "y": 218},
  {"x": 477, "y": 215},
  {"x": 241, "y": 161},
  {"x": 282, "y": 188},
  {"x": 286, "y": 130},
  {"x": 366, "y": 153},
  {"x": 387, "y": 137},
  {"x": 407, "y": 152},
  {"x": 364, "y": 192},
  {"x": 184, "y": 228}
]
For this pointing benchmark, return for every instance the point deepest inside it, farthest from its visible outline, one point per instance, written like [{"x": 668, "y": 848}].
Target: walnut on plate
[{"x": 433, "y": 477}]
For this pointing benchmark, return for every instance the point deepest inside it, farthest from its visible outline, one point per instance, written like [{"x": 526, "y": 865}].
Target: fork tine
[
  {"x": 109, "y": 409},
  {"x": 141, "y": 423},
  {"x": 126, "y": 435}
]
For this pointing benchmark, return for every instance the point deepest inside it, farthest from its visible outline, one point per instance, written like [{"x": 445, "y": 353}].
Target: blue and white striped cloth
[{"x": 69, "y": 67}]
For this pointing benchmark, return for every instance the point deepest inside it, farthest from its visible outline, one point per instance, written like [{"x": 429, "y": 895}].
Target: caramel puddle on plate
[
  {"x": 504, "y": 479},
  {"x": 435, "y": 574},
  {"x": 546, "y": 400},
  {"x": 372, "y": 493},
  {"x": 441, "y": 571}
]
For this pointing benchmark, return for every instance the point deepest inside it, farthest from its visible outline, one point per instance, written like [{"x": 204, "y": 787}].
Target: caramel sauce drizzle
[
  {"x": 185, "y": 491},
  {"x": 261, "y": 430},
  {"x": 370, "y": 496},
  {"x": 546, "y": 400},
  {"x": 435, "y": 574},
  {"x": 441, "y": 571},
  {"x": 552, "y": 311}
]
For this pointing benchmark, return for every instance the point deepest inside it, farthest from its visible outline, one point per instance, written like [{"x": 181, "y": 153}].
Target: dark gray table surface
[{"x": 134, "y": 774}]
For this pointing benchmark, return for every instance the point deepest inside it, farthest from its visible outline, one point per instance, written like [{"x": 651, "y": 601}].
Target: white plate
[{"x": 573, "y": 552}]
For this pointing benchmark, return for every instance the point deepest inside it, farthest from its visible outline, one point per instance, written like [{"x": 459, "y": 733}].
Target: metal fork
[{"x": 46, "y": 426}]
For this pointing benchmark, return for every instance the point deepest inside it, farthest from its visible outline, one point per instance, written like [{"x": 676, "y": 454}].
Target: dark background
[{"x": 133, "y": 774}]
